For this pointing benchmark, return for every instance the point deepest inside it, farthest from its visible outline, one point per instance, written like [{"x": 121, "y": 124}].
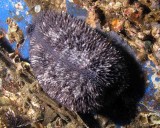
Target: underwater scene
[{"x": 79, "y": 64}]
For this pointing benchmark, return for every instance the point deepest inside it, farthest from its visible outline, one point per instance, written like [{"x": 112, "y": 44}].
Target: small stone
[
  {"x": 117, "y": 24},
  {"x": 156, "y": 47},
  {"x": 27, "y": 12},
  {"x": 4, "y": 100},
  {"x": 31, "y": 113},
  {"x": 147, "y": 32},
  {"x": 37, "y": 8},
  {"x": 35, "y": 102},
  {"x": 154, "y": 119},
  {"x": 125, "y": 3},
  {"x": 143, "y": 118},
  {"x": 111, "y": 4},
  {"x": 141, "y": 55},
  {"x": 49, "y": 125},
  {"x": 140, "y": 35},
  {"x": 157, "y": 54},
  {"x": 156, "y": 31},
  {"x": 19, "y": 6},
  {"x": 152, "y": 58},
  {"x": 155, "y": 81},
  {"x": 17, "y": 12},
  {"x": 71, "y": 1},
  {"x": 140, "y": 44},
  {"x": 117, "y": 5}
]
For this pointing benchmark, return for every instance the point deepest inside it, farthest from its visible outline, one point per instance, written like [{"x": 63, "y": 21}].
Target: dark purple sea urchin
[{"x": 80, "y": 67}]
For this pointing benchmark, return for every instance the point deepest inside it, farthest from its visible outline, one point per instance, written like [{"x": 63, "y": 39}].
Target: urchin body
[{"x": 78, "y": 66}]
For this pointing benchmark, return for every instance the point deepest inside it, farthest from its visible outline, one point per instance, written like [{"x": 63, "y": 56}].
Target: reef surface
[{"x": 22, "y": 101}]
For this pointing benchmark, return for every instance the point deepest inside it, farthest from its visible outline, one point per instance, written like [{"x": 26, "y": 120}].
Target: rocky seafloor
[{"x": 24, "y": 104}]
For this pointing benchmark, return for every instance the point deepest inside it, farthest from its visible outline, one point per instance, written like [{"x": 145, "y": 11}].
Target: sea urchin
[{"x": 80, "y": 67}]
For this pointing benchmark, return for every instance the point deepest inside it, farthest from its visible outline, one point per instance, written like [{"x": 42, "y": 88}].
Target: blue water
[
  {"x": 76, "y": 10},
  {"x": 7, "y": 9},
  {"x": 157, "y": 79}
]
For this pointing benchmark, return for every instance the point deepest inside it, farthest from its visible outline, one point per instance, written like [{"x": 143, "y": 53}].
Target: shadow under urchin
[{"x": 85, "y": 70}]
